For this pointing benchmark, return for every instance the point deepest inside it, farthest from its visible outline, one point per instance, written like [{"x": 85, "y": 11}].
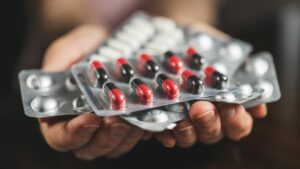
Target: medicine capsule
[
  {"x": 191, "y": 82},
  {"x": 123, "y": 70},
  {"x": 173, "y": 62},
  {"x": 194, "y": 59},
  {"x": 115, "y": 96},
  {"x": 214, "y": 78},
  {"x": 147, "y": 66},
  {"x": 142, "y": 91},
  {"x": 99, "y": 72},
  {"x": 167, "y": 86}
]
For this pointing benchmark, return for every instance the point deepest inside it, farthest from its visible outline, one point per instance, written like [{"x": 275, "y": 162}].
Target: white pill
[
  {"x": 233, "y": 51},
  {"x": 120, "y": 46},
  {"x": 44, "y": 104},
  {"x": 163, "y": 24},
  {"x": 137, "y": 33},
  {"x": 205, "y": 42},
  {"x": 258, "y": 66},
  {"x": 129, "y": 39},
  {"x": 109, "y": 52},
  {"x": 39, "y": 82}
]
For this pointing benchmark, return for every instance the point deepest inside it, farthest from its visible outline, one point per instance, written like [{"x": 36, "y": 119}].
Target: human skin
[{"x": 90, "y": 136}]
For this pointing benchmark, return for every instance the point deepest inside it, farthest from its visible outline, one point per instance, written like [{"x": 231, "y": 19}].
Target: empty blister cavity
[
  {"x": 39, "y": 82},
  {"x": 44, "y": 104},
  {"x": 266, "y": 87},
  {"x": 154, "y": 116},
  {"x": 71, "y": 83},
  {"x": 225, "y": 96},
  {"x": 81, "y": 105}
]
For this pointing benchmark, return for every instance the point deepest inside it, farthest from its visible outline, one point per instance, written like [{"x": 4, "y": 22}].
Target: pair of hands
[{"x": 89, "y": 136}]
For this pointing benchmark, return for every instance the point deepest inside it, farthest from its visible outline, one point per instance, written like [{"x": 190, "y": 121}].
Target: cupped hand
[{"x": 87, "y": 135}]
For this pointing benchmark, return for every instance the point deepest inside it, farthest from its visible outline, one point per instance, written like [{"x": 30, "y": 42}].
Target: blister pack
[
  {"x": 158, "y": 120},
  {"x": 259, "y": 73},
  {"x": 148, "y": 70},
  {"x": 51, "y": 94},
  {"x": 158, "y": 67}
]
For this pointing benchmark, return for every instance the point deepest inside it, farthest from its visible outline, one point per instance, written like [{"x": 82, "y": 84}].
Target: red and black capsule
[
  {"x": 167, "y": 86},
  {"x": 115, "y": 96},
  {"x": 214, "y": 78},
  {"x": 194, "y": 59},
  {"x": 123, "y": 70},
  {"x": 142, "y": 91},
  {"x": 173, "y": 62},
  {"x": 147, "y": 66},
  {"x": 191, "y": 82},
  {"x": 99, "y": 72}
]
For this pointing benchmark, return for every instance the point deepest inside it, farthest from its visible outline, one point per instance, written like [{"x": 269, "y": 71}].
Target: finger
[
  {"x": 130, "y": 141},
  {"x": 147, "y": 136},
  {"x": 166, "y": 138},
  {"x": 207, "y": 121},
  {"x": 259, "y": 112},
  {"x": 236, "y": 122},
  {"x": 72, "y": 47},
  {"x": 71, "y": 134},
  {"x": 185, "y": 133},
  {"x": 112, "y": 132}
]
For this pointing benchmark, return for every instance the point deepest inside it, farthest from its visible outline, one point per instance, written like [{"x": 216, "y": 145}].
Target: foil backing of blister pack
[{"x": 51, "y": 94}]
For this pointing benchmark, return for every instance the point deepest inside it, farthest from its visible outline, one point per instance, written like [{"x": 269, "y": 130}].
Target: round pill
[
  {"x": 44, "y": 104},
  {"x": 231, "y": 51},
  {"x": 154, "y": 116},
  {"x": 258, "y": 66},
  {"x": 205, "y": 42},
  {"x": 39, "y": 82}
]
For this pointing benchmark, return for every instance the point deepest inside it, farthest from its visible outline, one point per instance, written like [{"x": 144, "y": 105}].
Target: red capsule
[
  {"x": 116, "y": 97},
  {"x": 99, "y": 72},
  {"x": 123, "y": 70},
  {"x": 191, "y": 82},
  {"x": 194, "y": 59},
  {"x": 142, "y": 91},
  {"x": 214, "y": 78},
  {"x": 147, "y": 66},
  {"x": 167, "y": 86},
  {"x": 173, "y": 62}
]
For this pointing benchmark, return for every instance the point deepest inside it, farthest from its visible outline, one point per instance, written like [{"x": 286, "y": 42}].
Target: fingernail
[
  {"x": 88, "y": 130},
  {"x": 119, "y": 130},
  {"x": 206, "y": 118},
  {"x": 170, "y": 144},
  {"x": 227, "y": 111},
  {"x": 186, "y": 132}
]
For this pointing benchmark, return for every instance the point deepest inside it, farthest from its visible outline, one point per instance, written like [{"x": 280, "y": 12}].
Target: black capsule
[{"x": 124, "y": 70}]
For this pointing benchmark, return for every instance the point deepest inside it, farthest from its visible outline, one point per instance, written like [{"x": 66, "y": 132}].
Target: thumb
[{"x": 72, "y": 47}]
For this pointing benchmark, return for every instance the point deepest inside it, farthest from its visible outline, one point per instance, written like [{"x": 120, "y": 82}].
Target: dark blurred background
[{"x": 270, "y": 25}]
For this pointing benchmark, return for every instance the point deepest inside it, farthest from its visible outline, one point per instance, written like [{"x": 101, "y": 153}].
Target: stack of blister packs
[{"x": 148, "y": 71}]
